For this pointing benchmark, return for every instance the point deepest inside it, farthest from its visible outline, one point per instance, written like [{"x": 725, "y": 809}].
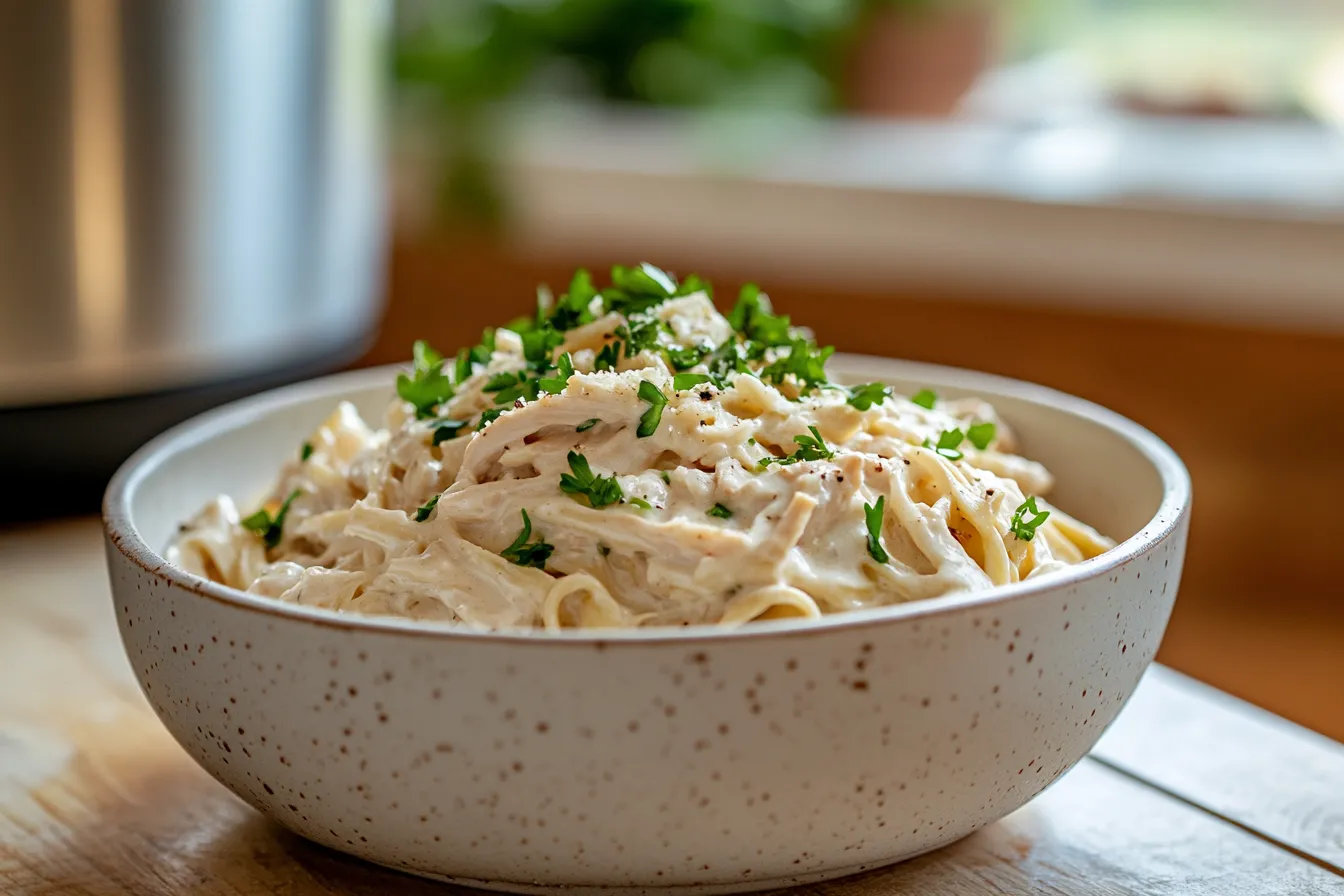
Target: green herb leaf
[
  {"x": 694, "y": 284},
  {"x": 608, "y": 357},
  {"x": 270, "y": 528},
  {"x": 501, "y": 381},
  {"x": 683, "y": 381},
  {"x": 428, "y": 386},
  {"x": 488, "y": 417},
  {"x": 683, "y": 357},
  {"x": 805, "y": 362},
  {"x": 587, "y": 424},
  {"x": 665, "y": 476},
  {"x": 948, "y": 443},
  {"x": 811, "y": 447},
  {"x": 753, "y": 317},
  {"x": 872, "y": 517},
  {"x": 640, "y": 503},
  {"x": 1024, "y": 526},
  {"x": 648, "y": 423},
  {"x": 639, "y": 333},
  {"x": 556, "y": 384},
  {"x": 447, "y": 429},
  {"x": 981, "y": 434},
  {"x": 572, "y": 309},
  {"x": 424, "y": 510},
  {"x": 477, "y": 354},
  {"x": 638, "y": 288},
  {"x": 644, "y": 280},
  {"x": 524, "y": 554},
  {"x": 424, "y": 357},
  {"x": 726, "y": 361},
  {"x": 538, "y": 344},
  {"x": 523, "y": 387},
  {"x": 545, "y": 299},
  {"x": 864, "y": 397},
  {"x": 925, "y": 398},
  {"x": 718, "y": 510},
  {"x": 582, "y": 482},
  {"x": 305, "y": 451}
]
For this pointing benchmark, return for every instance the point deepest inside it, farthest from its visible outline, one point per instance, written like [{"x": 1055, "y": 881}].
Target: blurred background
[{"x": 1137, "y": 201}]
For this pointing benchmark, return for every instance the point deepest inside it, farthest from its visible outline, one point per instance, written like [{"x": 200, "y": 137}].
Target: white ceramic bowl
[{"x": 716, "y": 761}]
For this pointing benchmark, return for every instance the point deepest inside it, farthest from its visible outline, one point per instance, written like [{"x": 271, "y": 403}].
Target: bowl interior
[{"x": 1109, "y": 471}]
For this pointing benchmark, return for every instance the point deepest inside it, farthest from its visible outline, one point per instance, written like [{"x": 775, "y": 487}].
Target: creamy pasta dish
[{"x": 629, "y": 456}]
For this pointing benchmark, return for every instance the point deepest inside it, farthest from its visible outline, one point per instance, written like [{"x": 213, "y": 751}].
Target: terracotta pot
[{"x": 918, "y": 62}]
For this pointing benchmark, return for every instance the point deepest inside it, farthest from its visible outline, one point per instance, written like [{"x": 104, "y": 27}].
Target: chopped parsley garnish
[
  {"x": 599, "y": 490},
  {"x": 925, "y": 398},
  {"x": 981, "y": 434},
  {"x": 864, "y": 397},
  {"x": 640, "y": 503},
  {"x": 564, "y": 370},
  {"x": 683, "y": 381},
  {"x": 428, "y": 386},
  {"x": 447, "y": 429},
  {"x": 538, "y": 344},
  {"x": 270, "y": 528},
  {"x": 501, "y": 381},
  {"x": 424, "y": 510},
  {"x": 693, "y": 284},
  {"x": 510, "y": 386},
  {"x": 753, "y": 317},
  {"x": 488, "y": 417},
  {"x": 572, "y": 309},
  {"x": 305, "y": 451},
  {"x": 608, "y": 357},
  {"x": 463, "y": 368},
  {"x": 665, "y": 476},
  {"x": 587, "y": 424},
  {"x": 805, "y": 361},
  {"x": 648, "y": 423},
  {"x": 1024, "y": 526},
  {"x": 644, "y": 280},
  {"x": 639, "y": 333},
  {"x": 811, "y": 447},
  {"x": 948, "y": 443},
  {"x": 635, "y": 289},
  {"x": 683, "y": 357},
  {"x": 726, "y": 361},
  {"x": 477, "y": 354},
  {"x": 718, "y": 510},
  {"x": 872, "y": 517},
  {"x": 524, "y": 554}
]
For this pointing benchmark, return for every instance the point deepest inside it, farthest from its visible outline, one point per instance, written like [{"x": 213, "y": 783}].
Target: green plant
[{"x": 469, "y": 56}]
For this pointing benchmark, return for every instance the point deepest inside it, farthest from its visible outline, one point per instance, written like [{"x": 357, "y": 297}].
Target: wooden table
[{"x": 1191, "y": 791}]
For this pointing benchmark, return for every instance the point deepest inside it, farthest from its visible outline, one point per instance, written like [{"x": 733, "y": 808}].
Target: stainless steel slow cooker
[{"x": 191, "y": 209}]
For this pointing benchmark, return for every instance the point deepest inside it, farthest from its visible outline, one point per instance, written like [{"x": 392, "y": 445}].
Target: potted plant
[{"x": 917, "y": 58}]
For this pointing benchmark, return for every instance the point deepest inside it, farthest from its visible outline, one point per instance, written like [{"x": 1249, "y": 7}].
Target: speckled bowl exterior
[{"x": 715, "y": 761}]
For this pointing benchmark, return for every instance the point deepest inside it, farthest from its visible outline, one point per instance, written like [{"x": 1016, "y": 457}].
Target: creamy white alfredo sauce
[{"x": 744, "y": 487}]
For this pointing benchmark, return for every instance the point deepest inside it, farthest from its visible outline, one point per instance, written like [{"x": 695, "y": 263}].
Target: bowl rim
[{"x": 122, "y": 533}]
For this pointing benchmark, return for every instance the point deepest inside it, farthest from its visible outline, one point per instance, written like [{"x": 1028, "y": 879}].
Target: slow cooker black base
[{"x": 62, "y": 455}]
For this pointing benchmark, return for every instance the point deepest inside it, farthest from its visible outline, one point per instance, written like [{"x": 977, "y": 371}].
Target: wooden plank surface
[
  {"x": 1279, "y": 780},
  {"x": 96, "y": 798}
]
